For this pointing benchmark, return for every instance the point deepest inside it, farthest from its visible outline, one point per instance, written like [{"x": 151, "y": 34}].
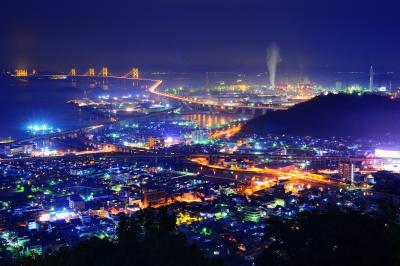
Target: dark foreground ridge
[
  {"x": 147, "y": 238},
  {"x": 315, "y": 238},
  {"x": 367, "y": 115},
  {"x": 334, "y": 238}
]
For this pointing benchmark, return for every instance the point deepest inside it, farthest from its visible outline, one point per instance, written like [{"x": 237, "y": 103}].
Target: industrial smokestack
[{"x": 273, "y": 60}]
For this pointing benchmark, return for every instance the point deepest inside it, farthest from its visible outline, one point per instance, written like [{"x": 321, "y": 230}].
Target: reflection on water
[
  {"x": 43, "y": 101},
  {"x": 212, "y": 120}
]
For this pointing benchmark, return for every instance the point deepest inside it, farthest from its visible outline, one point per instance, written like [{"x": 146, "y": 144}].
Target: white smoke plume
[{"x": 273, "y": 59}]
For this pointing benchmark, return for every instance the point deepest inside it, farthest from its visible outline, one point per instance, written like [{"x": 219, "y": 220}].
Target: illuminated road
[
  {"x": 210, "y": 103},
  {"x": 279, "y": 173},
  {"x": 92, "y": 127},
  {"x": 287, "y": 158},
  {"x": 153, "y": 89},
  {"x": 225, "y": 132},
  {"x": 271, "y": 177}
]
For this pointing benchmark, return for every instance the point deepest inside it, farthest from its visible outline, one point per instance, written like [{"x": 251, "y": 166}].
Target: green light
[
  {"x": 5, "y": 204},
  {"x": 116, "y": 188},
  {"x": 35, "y": 189},
  {"x": 19, "y": 189},
  {"x": 220, "y": 215},
  {"x": 277, "y": 202},
  {"x": 229, "y": 191},
  {"x": 205, "y": 231},
  {"x": 280, "y": 202},
  {"x": 255, "y": 218},
  {"x": 102, "y": 236},
  {"x": 47, "y": 192}
]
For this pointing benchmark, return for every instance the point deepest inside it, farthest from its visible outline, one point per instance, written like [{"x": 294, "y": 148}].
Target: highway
[
  {"x": 143, "y": 154},
  {"x": 210, "y": 103},
  {"x": 270, "y": 175},
  {"x": 153, "y": 89},
  {"x": 92, "y": 127}
]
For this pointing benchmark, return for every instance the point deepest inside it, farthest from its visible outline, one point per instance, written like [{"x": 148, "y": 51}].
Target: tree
[
  {"x": 333, "y": 238},
  {"x": 146, "y": 238}
]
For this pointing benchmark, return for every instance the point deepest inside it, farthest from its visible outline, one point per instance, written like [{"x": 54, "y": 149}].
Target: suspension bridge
[{"x": 134, "y": 74}]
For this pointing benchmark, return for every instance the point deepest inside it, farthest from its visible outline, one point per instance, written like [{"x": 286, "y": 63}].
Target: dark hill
[{"x": 333, "y": 115}]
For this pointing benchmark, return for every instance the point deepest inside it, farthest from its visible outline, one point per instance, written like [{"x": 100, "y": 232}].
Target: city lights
[
  {"x": 194, "y": 133},
  {"x": 38, "y": 129}
]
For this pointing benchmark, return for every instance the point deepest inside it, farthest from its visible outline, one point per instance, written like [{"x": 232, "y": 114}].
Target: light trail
[
  {"x": 79, "y": 153},
  {"x": 209, "y": 103},
  {"x": 153, "y": 90},
  {"x": 272, "y": 176},
  {"x": 226, "y": 132}
]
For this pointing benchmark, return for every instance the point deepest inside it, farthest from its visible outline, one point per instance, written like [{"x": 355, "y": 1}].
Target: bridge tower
[
  {"x": 104, "y": 72},
  {"x": 135, "y": 73},
  {"x": 73, "y": 72},
  {"x": 91, "y": 72}
]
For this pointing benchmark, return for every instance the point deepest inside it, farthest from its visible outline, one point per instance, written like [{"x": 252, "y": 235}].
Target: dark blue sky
[{"x": 215, "y": 34}]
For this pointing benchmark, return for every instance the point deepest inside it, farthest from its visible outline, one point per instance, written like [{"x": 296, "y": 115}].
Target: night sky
[{"x": 193, "y": 34}]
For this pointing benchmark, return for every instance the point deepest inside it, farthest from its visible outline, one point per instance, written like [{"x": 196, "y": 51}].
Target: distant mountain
[{"x": 367, "y": 115}]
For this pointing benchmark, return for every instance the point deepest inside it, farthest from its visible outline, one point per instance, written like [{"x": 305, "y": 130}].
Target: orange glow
[
  {"x": 101, "y": 213},
  {"x": 104, "y": 72},
  {"x": 115, "y": 211},
  {"x": 135, "y": 73},
  {"x": 188, "y": 197},
  {"x": 153, "y": 90},
  {"x": 226, "y": 133},
  {"x": 21, "y": 72},
  {"x": 271, "y": 176},
  {"x": 91, "y": 72}
]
